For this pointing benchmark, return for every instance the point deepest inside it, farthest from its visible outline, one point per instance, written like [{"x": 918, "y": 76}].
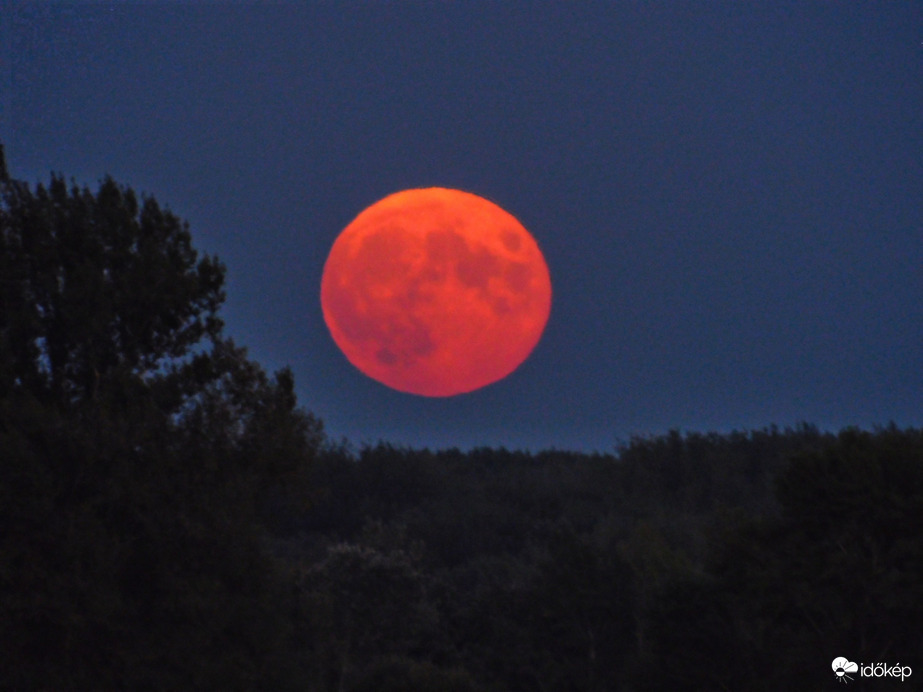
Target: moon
[{"x": 435, "y": 292}]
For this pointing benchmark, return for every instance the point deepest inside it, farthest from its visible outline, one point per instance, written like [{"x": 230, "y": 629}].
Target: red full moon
[{"x": 435, "y": 292}]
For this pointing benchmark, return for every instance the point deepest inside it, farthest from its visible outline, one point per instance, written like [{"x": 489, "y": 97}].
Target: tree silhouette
[
  {"x": 97, "y": 287},
  {"x": 142, "y": 454}
]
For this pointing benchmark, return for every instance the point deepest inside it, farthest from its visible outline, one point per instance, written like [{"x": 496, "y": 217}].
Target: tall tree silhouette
[{"x": 140, "y": 451}]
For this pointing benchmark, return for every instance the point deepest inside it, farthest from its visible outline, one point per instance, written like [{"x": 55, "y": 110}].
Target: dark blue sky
[{"x": 729, "y": 195}]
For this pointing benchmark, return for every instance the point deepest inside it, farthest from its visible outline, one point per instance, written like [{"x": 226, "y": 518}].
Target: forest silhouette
[{"x": 170, "y": 518}]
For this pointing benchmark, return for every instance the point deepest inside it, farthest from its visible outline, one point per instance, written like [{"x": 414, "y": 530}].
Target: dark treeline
[
  {"x": 170, "y": 519},
  {"x": 679, "y": 562}
]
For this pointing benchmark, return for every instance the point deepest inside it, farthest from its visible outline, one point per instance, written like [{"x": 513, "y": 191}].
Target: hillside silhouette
[{"x": 172, "y": 519}]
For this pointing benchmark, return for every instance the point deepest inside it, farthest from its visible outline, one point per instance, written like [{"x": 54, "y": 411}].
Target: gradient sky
[{"x": 729, "y": 195}]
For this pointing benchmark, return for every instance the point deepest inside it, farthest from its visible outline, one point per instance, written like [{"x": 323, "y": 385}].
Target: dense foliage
[
  {"x": 139, "y": 452},
  {"x": 738, "y": 561},
  {"x": 170, "y": 519}
]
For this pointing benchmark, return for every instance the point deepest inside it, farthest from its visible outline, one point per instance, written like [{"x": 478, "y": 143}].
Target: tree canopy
[{"x": 142, "y": 450}]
